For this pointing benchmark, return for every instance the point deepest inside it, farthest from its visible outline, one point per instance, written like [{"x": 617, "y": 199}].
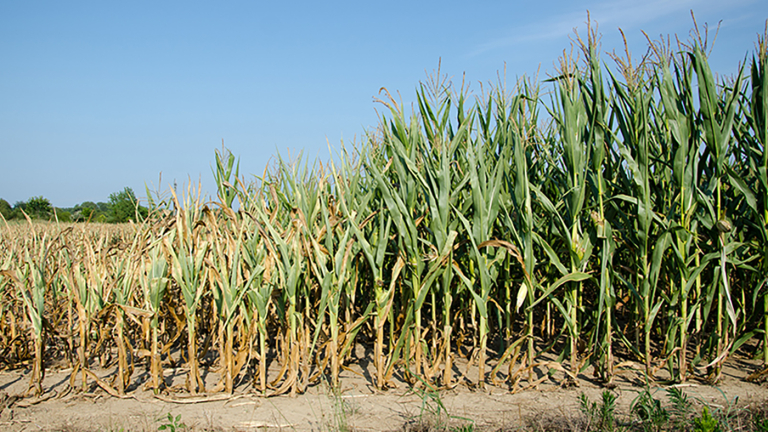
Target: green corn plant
[
  {"x": 350, "y": 186},
  {"x": 442, "y": 185},
  {"x": 333, "y": 253},
  {"x": 399, "y": 189},
  {"x": 599, "y": 138},
  {"x": 429, "y": 164},
  {"x": 752, "y": 136},
  {"x": 632, "y": 108},
  {"x": 153, "y": 279},
  {"x": 515, "y": 127},
  {"x": 486, "y": 178},
  {"x": 717, "y": 112},
  {"x": 679, "y": 117},
  {"x": 372, "y": 234},
  {"x": 571, "y": 119},
  {"x": 301, "y": 190},
  {"x": 223, "y": 174}
]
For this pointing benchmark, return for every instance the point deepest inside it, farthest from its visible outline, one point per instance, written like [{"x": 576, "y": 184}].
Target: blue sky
[{"x": 97, "y": 96}]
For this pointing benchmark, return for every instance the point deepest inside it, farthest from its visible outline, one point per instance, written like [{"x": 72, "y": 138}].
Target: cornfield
[{"x": 620, "y": 216}]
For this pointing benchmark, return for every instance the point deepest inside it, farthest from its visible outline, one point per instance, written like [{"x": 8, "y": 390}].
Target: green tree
[
  {"x": 123, "y": 206},
  {"x": 85, "y": 212},
  {"x": 5, "y": 209},
  {"x": 63, "y": 215},
  {"x": 18, "y": 207},
  {"x": 38, "y": 207}
]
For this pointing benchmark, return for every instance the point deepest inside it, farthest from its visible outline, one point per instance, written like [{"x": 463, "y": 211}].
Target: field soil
[{"x": 553, "y": 402}]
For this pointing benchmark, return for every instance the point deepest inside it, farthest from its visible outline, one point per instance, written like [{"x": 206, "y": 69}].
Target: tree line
[{"x": 122, "y": 206}]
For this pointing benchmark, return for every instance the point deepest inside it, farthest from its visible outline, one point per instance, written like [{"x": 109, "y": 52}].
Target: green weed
[
  {"x": 172, "y": 424},
  {"x": 706, "y": 423},
  {"x": 600, "y": 415}
]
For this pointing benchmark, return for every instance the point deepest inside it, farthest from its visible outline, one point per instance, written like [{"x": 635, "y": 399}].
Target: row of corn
[{"x": 622, "y": 215}]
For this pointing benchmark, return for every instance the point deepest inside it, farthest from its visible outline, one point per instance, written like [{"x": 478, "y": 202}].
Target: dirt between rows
[{"x": 356, "y": 406}]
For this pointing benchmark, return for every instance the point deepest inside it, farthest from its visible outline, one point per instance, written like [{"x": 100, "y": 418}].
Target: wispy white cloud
[{"x": 627, "y": 14}]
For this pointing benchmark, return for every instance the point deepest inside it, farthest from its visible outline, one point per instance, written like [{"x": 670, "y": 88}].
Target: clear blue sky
[{"x": 97, "y": 96}]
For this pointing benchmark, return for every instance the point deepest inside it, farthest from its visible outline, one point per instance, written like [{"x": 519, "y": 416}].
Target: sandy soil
[{"x": 357, "y": 406}]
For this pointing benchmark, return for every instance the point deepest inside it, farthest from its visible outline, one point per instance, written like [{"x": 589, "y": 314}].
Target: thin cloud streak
[{"x": 628, "y": 15}]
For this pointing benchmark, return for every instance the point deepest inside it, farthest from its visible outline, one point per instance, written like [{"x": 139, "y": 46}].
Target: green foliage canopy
[
  {"x": 123, "y": 206},
  {"x": 5, "y": 209}
]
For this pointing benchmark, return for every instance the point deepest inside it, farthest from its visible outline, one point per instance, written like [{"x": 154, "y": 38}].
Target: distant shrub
[
  {"x": 63, "y": 216},
  {"x": 5, "y": 209}
]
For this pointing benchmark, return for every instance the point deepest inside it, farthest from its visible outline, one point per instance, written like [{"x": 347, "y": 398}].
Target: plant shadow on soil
[{"x": 554, "y": 404}]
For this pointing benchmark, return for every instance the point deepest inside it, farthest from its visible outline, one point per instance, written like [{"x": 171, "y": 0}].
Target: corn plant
[
  {"x": 632, "y": 107},
  {"x": 717, "y": 115},
  {"x": 31, "y": 286},
  {"x": 602, "y": 171},
  {"x": 486, "y": 172},
  {"x": 153, "y": 279},
  {"x": 372, "y": 234},
  {"x": 258, "y": 272},
  {"x": 228, "y": 289},
  {"x": 125, "y": 267},
  {"x": 188, "y": 252},
  {"x": 753, "y": 136}
]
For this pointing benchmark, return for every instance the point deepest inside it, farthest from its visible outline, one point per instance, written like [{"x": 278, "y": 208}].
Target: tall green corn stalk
[
  {"x": 371, "y": 225},
  {"x": 717, "y": 110},
  {"x": 441, "y": 185},
  {"x": 329, "y": 262},
  {"x": 678, "y": 116},
  {"x": 487, "y": 170},
  {"x": 599, "y": 138},
  {"x": 754, "y": 137},
  {"x": 571, "y": 119},
  {"x": 516, "y": 122},
  {"x": 335, "y": 251},
  {"x": 632, "y": 108},
  {"x": 399, "y": 189}
]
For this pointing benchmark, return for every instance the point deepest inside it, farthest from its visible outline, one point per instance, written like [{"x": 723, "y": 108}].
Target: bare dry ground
[{"x": 357, "y": 406}]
